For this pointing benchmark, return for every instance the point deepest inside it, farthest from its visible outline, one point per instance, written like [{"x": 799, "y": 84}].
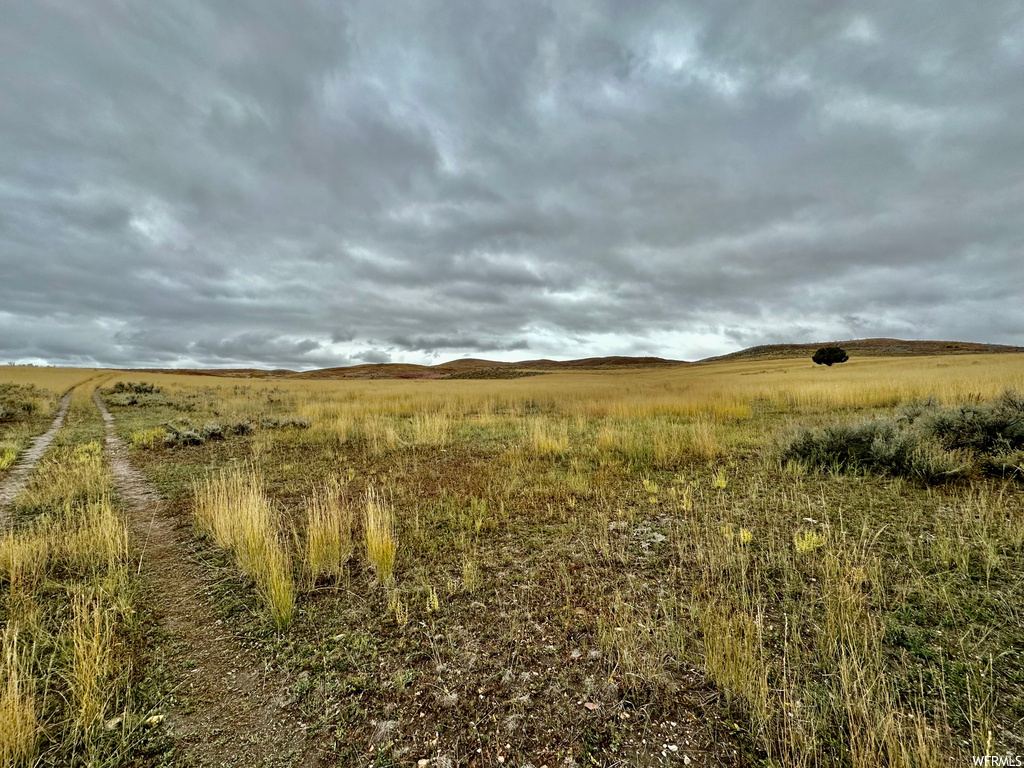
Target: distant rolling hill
[
  {"x": 475, "y": 368},
  {"x": 867, "y": 347},
  {"x": 471, "y": 368}
]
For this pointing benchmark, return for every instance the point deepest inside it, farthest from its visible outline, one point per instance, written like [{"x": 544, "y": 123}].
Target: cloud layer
[{"x": 316, "y": 183}]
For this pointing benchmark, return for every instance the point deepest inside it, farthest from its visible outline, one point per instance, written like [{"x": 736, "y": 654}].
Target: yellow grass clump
[
  {"x": 547, "y": 438},
  {"x": 380, "y": 433},
  {"x": 430, "y": 429},
  {"x": 147, "y": 438},
  {"x": 19, "y": 720},
  {"x": 233, "y": 508},
  {"x": 98, "y": 537},
  {"x": 704, "y": 442},
  {"x": 734, "y": 658},
  {"x": 328, "y": 542},
  {"x": 92, "y": 637},
  {"x": 66, "y": 476},
  {"x": 381, "y": 540},
  {"x": 8, "y": 453}
]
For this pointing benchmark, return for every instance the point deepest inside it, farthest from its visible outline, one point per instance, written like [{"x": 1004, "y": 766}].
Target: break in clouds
[{"x": 323, "y": 183}]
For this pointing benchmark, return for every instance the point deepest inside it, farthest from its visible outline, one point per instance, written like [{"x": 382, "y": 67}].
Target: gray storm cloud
[{"x": 314, "y": 183}]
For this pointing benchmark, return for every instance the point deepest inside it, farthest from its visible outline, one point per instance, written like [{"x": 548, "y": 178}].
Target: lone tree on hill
[{"x": 829, "y": 355}]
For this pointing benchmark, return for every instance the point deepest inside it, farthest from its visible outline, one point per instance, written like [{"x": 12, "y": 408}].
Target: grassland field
[{"x": 612, "y": 569}]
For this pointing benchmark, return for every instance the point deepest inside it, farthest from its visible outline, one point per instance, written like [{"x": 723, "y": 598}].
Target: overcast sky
[{"x": 307, "y": 184}]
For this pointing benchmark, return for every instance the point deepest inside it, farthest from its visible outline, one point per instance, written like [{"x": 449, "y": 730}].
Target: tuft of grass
[
  {"x": 328, "y": 542},
  {"x": 147, "y": 438},
  {"x": 806, "y": 542},
  {"x": 379, "y": 529},
  {"x": 8, "y": 453},
  {"x": 19, "y": 719},
  {"x": 98, "y": 537},
  {"x": 380, "y": 434},
  {"x": 431, "y": 429},
  {"x": 545, "y": 438},
  {"x": 92, "y": 638},
  {"x": 734, "y": 658},
  {"x": 24, "y": 557},
  {"x": 66, "y": 476},
  {"x": 704, "y": 442},
  {"x": 470, "y": 574},
  {"x": 233, "y": 508}
]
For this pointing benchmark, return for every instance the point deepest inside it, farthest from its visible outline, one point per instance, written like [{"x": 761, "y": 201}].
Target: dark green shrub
[
  {"x": 830, "y": 355},
  {"x": 135, "y": 388},
  {"x": 925, "y": 440},
  {"x": 180, "y": 434},
  {"x": 909, "y": 413},
  {"x": 212, "y": 431},
  {"x": 1009, "y": 464},
  {"x": 130, "y": 399},
  {"x": 268, "y": 422},
  {"x": 875, "y": 446},
  {"x": 17, "y": 402},
  {"x": 986, "y": 428},
  {"x": 853, "y": 446}
]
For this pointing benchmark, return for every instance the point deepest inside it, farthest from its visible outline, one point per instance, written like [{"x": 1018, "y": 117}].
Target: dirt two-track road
[
  {"x": 16, "y": 480},
  {"x": 226, "y": 710}
]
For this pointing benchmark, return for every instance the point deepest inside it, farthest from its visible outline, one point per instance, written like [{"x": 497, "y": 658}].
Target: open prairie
[{"x": 749, "y": 562}]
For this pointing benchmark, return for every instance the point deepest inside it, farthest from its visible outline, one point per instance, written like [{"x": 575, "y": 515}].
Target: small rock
[
  {"x": 422, "y": 762},
  {"x": 113, "y": 722},
  {"x": 153, "y": 720}
]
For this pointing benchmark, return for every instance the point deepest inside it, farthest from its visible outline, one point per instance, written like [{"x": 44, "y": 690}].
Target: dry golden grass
[
  {"x": 92, "y": 638},
  {"x": 24, "y": 558},
  {"x": 146, "y": 438},
  {"x": 19, "y": 720},
  {"x": 97, "y": 538},
  {"x": 8, "y": 453},
  {"x": 379, "y": 433},
  {"x": 380, "y": 537},
  {"x": 328, "y": 540},
  {"x": 68, "y": 593},
  {"x": 432, "y": 429},
  {"x": 67, "y": 474},
  {"x": 767, "y": 585},
  {"x": 546, "y": 437},
  {"x": 734, "y": 658},
  {"x": 234, "y": 509},
  {"x": 704, "y": 394},
  {"x": 54, "y": 379}
]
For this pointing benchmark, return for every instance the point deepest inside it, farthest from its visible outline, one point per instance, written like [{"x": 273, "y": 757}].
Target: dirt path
[
  {"x": 17, "y": 478},
  {"x": 227, "y": 711}
]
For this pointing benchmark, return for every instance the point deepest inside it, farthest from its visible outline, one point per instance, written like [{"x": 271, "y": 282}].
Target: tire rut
[
  {"x": 17, "y": 478},
  {"x": 227, "y": 712}
]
